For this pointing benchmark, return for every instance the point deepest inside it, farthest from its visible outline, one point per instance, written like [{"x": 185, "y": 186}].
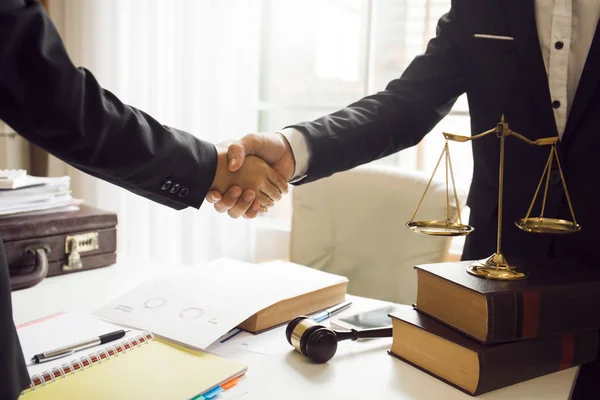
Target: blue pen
[
  {"x": 323, "y": 315},
  {"x": 232, "y": 335}
]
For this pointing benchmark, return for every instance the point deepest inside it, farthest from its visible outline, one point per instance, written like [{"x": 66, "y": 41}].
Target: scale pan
[
  {"x": 439, "y": 228},
  {"x": 547, "y": 225}
]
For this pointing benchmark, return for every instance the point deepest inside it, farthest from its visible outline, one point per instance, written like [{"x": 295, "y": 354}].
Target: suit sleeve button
[
  {"x": 166, "y": 185},
  {"x": 184, "y": 192},
  {"x": 175, "y": 188}
]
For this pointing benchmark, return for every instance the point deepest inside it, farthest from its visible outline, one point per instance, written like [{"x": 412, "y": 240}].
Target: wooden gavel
[{"x": 319, "y": 343}]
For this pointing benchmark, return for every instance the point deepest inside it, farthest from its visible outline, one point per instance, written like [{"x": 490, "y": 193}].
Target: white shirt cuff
[{"x": 300, "y": 151}]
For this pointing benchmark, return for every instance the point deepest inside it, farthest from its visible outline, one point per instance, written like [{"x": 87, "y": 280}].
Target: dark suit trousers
[{"x": 13, "y": 373}]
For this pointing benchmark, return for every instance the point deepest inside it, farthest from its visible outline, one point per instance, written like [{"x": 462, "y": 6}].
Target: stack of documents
[{"x": 24, "y": 194}]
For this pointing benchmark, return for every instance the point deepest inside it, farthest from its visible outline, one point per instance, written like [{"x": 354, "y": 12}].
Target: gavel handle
[{"x": 354, "y": 334}]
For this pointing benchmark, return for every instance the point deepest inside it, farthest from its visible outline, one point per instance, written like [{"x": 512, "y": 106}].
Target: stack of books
[
  {"x": 24, "y": 194},
  {"x": 480, "y": 335}
]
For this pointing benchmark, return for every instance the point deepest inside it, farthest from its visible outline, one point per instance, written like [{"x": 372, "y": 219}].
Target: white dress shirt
[{"x": 565, "y": 30}]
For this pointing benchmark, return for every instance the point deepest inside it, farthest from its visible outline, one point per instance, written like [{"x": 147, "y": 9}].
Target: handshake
[{"x": 252, "y": 173}]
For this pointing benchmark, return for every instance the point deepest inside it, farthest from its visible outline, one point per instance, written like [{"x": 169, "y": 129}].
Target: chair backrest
[{"x": 354, "y": 224}]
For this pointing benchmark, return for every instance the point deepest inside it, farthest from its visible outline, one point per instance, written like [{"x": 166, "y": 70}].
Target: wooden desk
[{"x": 359, "y": 370}]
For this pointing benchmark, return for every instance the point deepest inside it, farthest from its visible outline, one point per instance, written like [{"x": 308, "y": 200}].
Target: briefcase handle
[{"x": 39, "y": 272}]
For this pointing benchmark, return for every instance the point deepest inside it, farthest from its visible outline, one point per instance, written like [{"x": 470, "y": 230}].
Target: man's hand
[
  {"x": 262, "y": 184},
  {"x": 272, "y": 148}
]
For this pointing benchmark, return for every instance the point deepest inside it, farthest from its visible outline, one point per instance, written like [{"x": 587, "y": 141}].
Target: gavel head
[{"x": 315, "y": 341}]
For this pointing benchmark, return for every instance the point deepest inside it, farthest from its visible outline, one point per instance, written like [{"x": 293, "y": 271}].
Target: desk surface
[{"x": 359, "y": 369}]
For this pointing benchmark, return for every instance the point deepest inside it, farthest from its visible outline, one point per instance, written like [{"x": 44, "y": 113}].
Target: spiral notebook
[{"x": 139, "y": 366}]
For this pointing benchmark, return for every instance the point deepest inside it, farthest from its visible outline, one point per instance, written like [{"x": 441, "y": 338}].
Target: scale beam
[
  {"x": 547, "y": 141},
  {"x": 539, "y": 142}
]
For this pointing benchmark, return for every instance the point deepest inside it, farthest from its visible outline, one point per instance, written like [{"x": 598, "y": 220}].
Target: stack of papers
[{"x": 24, "y": 194}]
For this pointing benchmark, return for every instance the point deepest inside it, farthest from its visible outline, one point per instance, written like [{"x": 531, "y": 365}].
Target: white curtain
[{"x": 192, "y": 65}]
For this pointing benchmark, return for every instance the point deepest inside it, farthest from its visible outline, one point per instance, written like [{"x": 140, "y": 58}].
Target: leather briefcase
[{"x": 40, "y": 246}]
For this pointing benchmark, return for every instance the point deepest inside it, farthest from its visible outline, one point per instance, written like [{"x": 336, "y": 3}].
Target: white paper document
[
  {"x": 16, "y": 179},
  {"x": 196, "y": 306},
  {"x": 269, "y": 342}
]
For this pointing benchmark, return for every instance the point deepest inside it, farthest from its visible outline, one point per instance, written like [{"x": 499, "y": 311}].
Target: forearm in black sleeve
[
  {"x": 394, "y": 119},
  {"x": 65, "y": 111}
]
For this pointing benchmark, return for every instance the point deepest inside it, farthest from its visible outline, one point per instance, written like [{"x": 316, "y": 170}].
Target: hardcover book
[
  {"x": 556, "y": 297},
  {"x": 474, "y": 368}
]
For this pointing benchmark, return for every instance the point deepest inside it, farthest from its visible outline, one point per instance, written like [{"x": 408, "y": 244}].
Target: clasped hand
[{"x": 252, "y": 173}]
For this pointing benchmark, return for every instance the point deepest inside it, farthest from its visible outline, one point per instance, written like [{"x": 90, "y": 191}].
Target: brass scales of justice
[{"x": 497, "y": 266}]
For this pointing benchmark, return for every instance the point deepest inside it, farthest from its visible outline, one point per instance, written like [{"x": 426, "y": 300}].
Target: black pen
[{"x": 70, "y": 349}]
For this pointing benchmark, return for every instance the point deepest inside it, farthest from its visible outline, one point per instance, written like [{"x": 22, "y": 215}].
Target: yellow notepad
[{"x": 150, "y": 369}]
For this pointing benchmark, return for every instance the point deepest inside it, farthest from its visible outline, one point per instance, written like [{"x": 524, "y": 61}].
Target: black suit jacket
[
  {"x": 499, "y": 77},
  {"x": 64, "y": 110}
]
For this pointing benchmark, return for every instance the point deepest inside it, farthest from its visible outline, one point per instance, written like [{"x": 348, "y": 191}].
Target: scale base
[{"x": 495, "y": 267}]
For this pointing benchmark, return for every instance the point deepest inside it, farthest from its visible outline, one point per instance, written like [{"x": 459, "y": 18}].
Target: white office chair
[{"x": 354, "y": 224}]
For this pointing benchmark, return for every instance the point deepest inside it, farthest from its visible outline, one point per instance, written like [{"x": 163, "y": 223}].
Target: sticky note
[
  {"x": 212, "y": 393},
  {"x": 230, "y": 384}
]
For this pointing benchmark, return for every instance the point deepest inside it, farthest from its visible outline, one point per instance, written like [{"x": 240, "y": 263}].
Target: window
[{"x": 319, "y": 56}]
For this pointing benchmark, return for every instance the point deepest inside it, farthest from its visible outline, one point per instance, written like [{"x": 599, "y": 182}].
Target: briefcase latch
[{"x": 77, "y": 244}]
